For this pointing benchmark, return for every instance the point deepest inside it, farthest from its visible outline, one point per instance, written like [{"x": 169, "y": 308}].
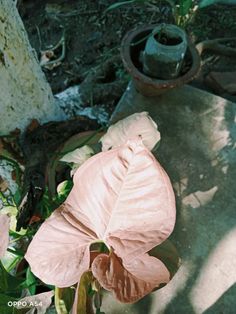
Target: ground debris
[{"x": 39, "y": 146}]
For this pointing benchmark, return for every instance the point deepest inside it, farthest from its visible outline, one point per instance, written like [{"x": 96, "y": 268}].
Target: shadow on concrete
[
  {"x": 143, "y": 306},
  {"x": 198, "y": 151}
]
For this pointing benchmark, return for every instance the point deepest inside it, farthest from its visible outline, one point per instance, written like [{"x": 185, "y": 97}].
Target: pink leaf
[
  {"x": 138, "y": 124},
  {"x": 126, "y": 197},
  {"x": 59, "y": 252},
  {"x": 122, "y": 197},
  {"x": 40, "y": 302},
  {"x": 4, "y": 234},
  {"x": 130, "y": 282}
]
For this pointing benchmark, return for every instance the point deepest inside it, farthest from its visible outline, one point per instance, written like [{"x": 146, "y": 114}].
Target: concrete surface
[{"x": 198, "y": 152}]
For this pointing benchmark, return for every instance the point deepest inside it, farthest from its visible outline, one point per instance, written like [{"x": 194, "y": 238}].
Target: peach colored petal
[
  {"x": 126, "y": 197},
  {"x": 4, "y": 233},
  {"x": 59, "y": 252},
  {"x": 137, "y": 124},
  {"x": 130, "y": 282}
]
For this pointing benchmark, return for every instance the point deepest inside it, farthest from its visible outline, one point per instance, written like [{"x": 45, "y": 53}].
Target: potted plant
[
  {"x": 155, "y": 74},
  {"x": 159, "y": 58},
  {"x": 164, "y": 52}
]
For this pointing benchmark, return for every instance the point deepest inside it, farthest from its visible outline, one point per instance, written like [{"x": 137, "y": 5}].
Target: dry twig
[{"x": 47, "y": 54}]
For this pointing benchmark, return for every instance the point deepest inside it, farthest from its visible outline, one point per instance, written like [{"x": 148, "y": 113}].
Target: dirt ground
[{"x": 93, "y": 36}]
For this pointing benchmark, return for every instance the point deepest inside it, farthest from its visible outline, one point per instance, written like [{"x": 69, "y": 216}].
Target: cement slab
[{"x": 198, "y": 152}]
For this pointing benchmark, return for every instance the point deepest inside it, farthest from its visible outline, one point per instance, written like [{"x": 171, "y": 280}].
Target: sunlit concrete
[
  {"x": 198, "y": 152},
  {"x": 217, "y": 275}
]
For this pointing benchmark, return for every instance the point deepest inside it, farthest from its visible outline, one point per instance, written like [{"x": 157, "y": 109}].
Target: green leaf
[
  {"x": 47, "y": 204},
  {"x": 185, "y": 6},
  {"x": 64, "y": 298},
  {"x": 5, "y": 305},
  {"x": 31, "y": 281},
  {"x": 17, "y": 197},
  {"x": 16, "y": 252},
  {"x": 63, "y": 189},
  {"x": 9, "y": 284},
  {"x": 9, "y": 261},
  {"x": 14, "y": 234}
]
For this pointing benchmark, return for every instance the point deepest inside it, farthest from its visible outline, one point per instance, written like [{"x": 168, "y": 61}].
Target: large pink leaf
[
  {"x": 126, "y": 197},
  {"x": 4, "y": 233},
  {"x": 132, "y": 281},
  {"x": 122, "y": 197},
  {"x": 59, "y": 252},
  {"x": 137, "y": 124}
]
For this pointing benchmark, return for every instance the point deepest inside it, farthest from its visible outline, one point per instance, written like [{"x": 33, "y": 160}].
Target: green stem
[{"x": 60, "y": 306}]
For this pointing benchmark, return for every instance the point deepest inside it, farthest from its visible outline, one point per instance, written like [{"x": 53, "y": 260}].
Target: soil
[
  {"x": 93, "y": 36},
  {"x": 168, "y": 41}
]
